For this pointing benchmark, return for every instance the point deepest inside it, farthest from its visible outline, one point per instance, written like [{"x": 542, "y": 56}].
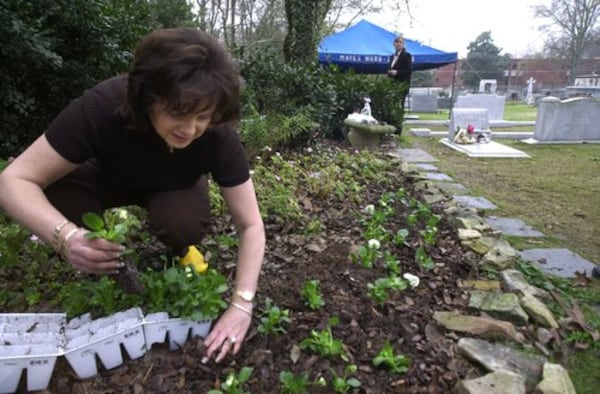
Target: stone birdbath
[{"x": 363, "y": 135}]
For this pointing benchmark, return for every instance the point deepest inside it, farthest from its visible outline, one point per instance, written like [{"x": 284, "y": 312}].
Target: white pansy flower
[
  {"x": 374, "y": 244},
  {"x": 122, "y": 214},
  {"x": 413, "y": 280},
  {"x": 309, "y": 149},
  {"x": 369, "y": 209}
]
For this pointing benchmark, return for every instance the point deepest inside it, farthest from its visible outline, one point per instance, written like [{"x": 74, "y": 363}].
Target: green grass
[{"x": 519, "y": 112}]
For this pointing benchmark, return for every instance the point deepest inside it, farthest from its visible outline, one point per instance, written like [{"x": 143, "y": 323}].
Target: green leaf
[{"x": 93, "y": 221}]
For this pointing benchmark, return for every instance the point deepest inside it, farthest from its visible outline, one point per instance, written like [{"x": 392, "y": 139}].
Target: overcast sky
[{"x": 450, "y": 25}]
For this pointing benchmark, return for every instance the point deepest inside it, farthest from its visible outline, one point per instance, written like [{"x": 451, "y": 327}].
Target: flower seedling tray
[
  {"x": 103, "y": 337},
  {"x": 158, "y": 327},
  {"x": 33, "y": 341},
  {"x": 30, "y": 342}
]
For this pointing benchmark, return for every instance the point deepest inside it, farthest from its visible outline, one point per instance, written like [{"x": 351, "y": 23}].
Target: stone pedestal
[{"x": 366, "y": 135}]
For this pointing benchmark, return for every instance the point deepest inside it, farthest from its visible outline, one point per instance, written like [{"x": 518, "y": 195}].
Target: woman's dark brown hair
[{"x": 187, "y": 70}]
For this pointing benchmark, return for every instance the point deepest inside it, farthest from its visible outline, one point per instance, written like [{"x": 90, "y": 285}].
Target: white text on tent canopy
[{"x": 362, "y": 58}]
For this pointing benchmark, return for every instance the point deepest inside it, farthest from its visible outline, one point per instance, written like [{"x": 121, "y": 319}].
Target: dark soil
[{"x": 405, "y": 320}]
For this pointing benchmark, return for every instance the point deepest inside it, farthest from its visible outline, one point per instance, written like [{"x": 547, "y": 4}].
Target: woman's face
[
  {"x": 398, "y": 44},
  {"x": 178, "y": 131}
]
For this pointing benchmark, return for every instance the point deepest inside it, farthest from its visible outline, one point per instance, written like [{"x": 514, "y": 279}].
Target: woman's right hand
[{"x": 93, "y": 256}]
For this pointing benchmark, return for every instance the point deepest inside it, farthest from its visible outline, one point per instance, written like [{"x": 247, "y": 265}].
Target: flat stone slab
[
  {"x": 420, "y": 132},
  {"x": 497, "y": 135},
  {"x": 436, "y": 176},
  {"x": 452, "y": 187},
  {"x": 413, "y": 155},
  {"x": 474, "y": 202},
  {"x": 559, "y": 262},
  {"x": 426, "y": 167},
  {"x": 491, "y": 149},
  {"x": 510, "y": 226},
  {"x": 533, "y": 141}
]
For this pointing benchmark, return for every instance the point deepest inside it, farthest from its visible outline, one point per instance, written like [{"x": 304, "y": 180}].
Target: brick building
[{"x": 549, "y": 75}]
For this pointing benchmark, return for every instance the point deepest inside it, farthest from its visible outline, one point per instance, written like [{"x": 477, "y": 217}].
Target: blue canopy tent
[{"x": 367, "y": 48}]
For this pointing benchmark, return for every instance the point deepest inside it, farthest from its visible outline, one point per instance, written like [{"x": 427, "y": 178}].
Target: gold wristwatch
[{"x": 245, "y": 295}]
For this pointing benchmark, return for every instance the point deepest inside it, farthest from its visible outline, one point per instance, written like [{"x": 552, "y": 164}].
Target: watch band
[{"x": 245, "y": 295}]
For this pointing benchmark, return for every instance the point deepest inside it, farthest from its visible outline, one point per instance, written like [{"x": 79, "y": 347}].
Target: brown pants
[{"x": 178, "y": 218}]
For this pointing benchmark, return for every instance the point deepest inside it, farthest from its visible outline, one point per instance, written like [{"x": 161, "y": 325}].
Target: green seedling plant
[
  {"x": 100, "y": 297},
  {"x": 291, "y": 384},
  {"x": 391, "y": 262},
  {"x": 395, "y": 363},
  {"x": 430, "y": 233},
  {"x": 185, "y": 293},
  {"x": 115, "y": 225},
  {"x": 412, "y": 219},
  {"x": 379, "y": 291},
  {"x": 343, "y": 384},
  {"x": 323, "y": 343},
  {"x": 401, "y": 237},
  {"x": 367, "y": 255},
  {"x": 312, "y": 295},
  {"x": 234, "y": 383},
  {"x": 226, "y": 241},
  {"x": 313, "y": 227},
  {"x": 182, "y": 292},
  {"x": 423, "y": 258},
  {"x": 421, "y": 211},
  {"x": 273, "y": 318}
]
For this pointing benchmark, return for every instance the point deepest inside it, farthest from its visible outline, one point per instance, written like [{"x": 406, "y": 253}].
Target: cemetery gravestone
[
  {"x": 463, "y": 117},
  {"x": 424, "y": 103},
  {"x": 492, "y": 102},
  {"x": 574, "y": 119},
  {"x": 488, "y": 86}
]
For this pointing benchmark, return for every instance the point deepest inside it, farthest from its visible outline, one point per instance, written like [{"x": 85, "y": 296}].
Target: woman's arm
[
  {"x": 22, "y": 183},
  {"x": 22, "y": 198},
  {"x": 243, "y": 207},
  {"x": 232, "y": 327}
]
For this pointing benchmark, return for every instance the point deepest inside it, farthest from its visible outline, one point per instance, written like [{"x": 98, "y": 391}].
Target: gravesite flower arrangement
[{"x": 464, "y": 136}]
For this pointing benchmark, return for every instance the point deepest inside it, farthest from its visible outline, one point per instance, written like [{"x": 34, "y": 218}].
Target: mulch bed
[{"x": 404, "y": 320}]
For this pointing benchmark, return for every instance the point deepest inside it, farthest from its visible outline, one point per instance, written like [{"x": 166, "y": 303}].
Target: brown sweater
[{"x": 93, "y": 128}]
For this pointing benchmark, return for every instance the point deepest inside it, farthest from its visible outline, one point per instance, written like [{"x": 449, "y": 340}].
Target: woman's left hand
[{"x": 228, "y": 334}]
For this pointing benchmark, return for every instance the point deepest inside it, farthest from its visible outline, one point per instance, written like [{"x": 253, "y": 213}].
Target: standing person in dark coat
[{"x": 401, "y": 69}]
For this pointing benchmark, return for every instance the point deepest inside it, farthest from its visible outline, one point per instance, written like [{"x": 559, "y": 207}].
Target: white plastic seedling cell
[
  {"x": 39, "y": 364},
  {"x": 158, "y": 325},
  {"x": 103, "y": 337},
  {"x": 201, "y": 328},
  {"x": 31, "y": 342}
]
